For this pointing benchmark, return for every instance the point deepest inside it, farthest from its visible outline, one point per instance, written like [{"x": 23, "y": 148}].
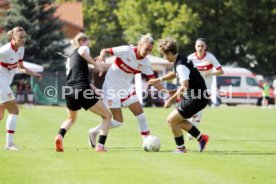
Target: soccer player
[
  {"x": 208, "y": 66},
  {"x": 193, "y": 90},
  {"x": 11, "y": 59},
  {"x": 117, "y": 87},
  {"x": 79, "y": 94}
]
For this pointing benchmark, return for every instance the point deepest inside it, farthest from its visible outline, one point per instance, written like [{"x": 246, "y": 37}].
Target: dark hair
[{"x": 167, "y": 45}]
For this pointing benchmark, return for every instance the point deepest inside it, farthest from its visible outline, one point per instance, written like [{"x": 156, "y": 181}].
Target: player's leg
[
  {"x": 100, "y": 109},
  {"x": 195, "y": 120},
  {"x": 138, "y": 112},
  {"x": 65, "y": 126},
  {"x": 173, "y": 120},
  {"x": 13, "y": 110},
  {"x": 115, "y": 107},
  {"x": 186, "y": 109},
  {"x": 2, "y": 111}
]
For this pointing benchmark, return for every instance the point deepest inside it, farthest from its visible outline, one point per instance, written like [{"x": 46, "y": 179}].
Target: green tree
[
  {"x": 160, "y": 17},
  {"x": 240, "y": 32},
  {"x": 102, "y": 25},
  {"x": 44, "y": 35}
]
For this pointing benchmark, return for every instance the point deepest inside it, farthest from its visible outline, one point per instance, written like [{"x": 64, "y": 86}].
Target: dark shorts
[
  {"x": 83, "y": 97},
  {"x": 190, "y": 106}
]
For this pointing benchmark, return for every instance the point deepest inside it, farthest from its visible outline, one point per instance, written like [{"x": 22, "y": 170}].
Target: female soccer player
[
  {"x": 117, "y": 87},
  {"x": 193, "y": 90},
  {"x": 79, "y": 94},
  {"x": 11, "y": 58},
  {"x": 208, "y": 66}
]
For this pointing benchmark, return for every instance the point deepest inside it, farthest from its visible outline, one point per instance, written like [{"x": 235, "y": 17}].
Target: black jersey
[
  {"x": 196, "y": 81},
  {"x": 77, "y": 71}
]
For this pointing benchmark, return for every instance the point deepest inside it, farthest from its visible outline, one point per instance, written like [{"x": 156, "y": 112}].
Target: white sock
[
  {"x": 10, "y": 128},
  {"x": 143, "y": 124},
  {"x": 113, "y": 124}
]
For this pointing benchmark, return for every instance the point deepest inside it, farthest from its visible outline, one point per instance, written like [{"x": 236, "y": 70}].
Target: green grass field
[{"x": 241, "y": 150}]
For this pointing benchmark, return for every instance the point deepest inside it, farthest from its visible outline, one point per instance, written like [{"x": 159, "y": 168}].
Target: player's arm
[
  {"x": 25, "y": 70},
  {"x": 85, "y": 55},
  {"x": 180, "y": 91},
  {"x": 101, "y": 57},
  {"x": 168, "y": 76}
]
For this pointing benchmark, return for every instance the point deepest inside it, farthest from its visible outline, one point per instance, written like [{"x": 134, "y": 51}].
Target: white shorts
[
  {"x": 6, "y": 93},
  {"x": 118, "y": 100}
]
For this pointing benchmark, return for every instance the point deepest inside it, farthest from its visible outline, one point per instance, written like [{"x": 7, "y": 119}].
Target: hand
[
  {"x": 38, "y": 76},
  {"x": 100, "y": 68},
  {"x": 100, "y": 59},
  {"x": 153, "y": 81},
  {"x": 167, "y": 104}
]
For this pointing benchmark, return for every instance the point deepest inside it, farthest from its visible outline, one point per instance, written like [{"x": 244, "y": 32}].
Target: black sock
[
  {"x": 179, "y": 141},
  {"x": 102, "y": 139},
  {"x": 195, "y": 132},
  {"x": 62, "y": 132}
]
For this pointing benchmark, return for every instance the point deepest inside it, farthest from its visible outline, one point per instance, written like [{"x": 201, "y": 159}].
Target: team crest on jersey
[
  {"x": 109, "y": 102},
  {"x": 139, "y": 66}
]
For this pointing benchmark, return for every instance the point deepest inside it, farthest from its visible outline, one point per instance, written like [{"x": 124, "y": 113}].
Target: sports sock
[
  {"x": 113, "y": 124},
  {"x": 10, "y": 127},
  {"x": 143, "y": 124},
  {"x": 102, "y": 139},
  {"x": 195, "y": 133},
  {"x": 62, "y": 132},
  {"x": 179, "y": 141}
]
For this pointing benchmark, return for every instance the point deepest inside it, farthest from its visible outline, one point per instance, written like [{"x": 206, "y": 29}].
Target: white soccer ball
[{"x": 151, "y": 143}]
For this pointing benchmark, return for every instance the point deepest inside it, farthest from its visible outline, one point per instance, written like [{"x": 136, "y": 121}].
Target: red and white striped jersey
[
  {"x": 207, "y": 63},
  {"x": 9, "y": 58},
  {"x": 126, "y": 65}
]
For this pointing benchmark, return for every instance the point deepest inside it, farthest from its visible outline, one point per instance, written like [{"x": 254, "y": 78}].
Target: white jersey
[
  {"x": 126, "y": 65},
  {"x": 207, "y": 63},
  {"x": 9, "y": 58}
]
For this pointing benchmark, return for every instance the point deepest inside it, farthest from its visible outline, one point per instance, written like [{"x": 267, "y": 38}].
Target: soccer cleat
[
  {"x": 100, "y": 148},
  {"x": 12, "y": 147},
  {"x": 92, "y": 137},
  {"x": 59, "y": 146},
  {"x": 180, "y": 150},
  {"x": 189, "y": 137},
  {"x": 202, "y": 142}
]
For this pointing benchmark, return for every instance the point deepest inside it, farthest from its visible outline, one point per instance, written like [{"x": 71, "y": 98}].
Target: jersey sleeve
[
  {"x": 4, "y": 51},
  {"x": 147, "y": 69},
  {"x": 83, "y": 49},
  {"x": 183, "y": 73},
  {"x": 215, "y": 62},
  {"x": 118, "y": 51}
]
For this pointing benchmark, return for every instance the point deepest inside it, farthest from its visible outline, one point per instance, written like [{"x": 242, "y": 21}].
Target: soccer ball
[{"x": 151, "y": 143}]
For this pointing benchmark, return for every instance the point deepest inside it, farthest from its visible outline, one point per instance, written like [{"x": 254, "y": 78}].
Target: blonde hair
[
  {"x": 167, "y": 45},
  {"x": 15, "y": 30},
  {"x": 78, "y": 38},
  {"x": 146, "y": 39}
]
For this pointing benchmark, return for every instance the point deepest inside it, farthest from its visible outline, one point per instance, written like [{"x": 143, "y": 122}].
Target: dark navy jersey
[
  {"x": 196, "y": 82},
  {"x": 77, "y": 70}
]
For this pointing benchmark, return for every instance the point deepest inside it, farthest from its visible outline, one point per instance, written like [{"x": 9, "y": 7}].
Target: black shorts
[
  {"x": 83, "y": 97},
  {"x": 190, "y": 106}
]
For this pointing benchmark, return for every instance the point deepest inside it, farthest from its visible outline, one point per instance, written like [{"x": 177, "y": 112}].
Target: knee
[
  {"x": 107, "y": 116},
  {"x": 71, "y": 120},
  {"x": 169, "y": 121}
]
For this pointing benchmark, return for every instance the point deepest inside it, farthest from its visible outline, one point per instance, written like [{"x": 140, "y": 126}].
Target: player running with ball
[{"x": 194, "y": 92}]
